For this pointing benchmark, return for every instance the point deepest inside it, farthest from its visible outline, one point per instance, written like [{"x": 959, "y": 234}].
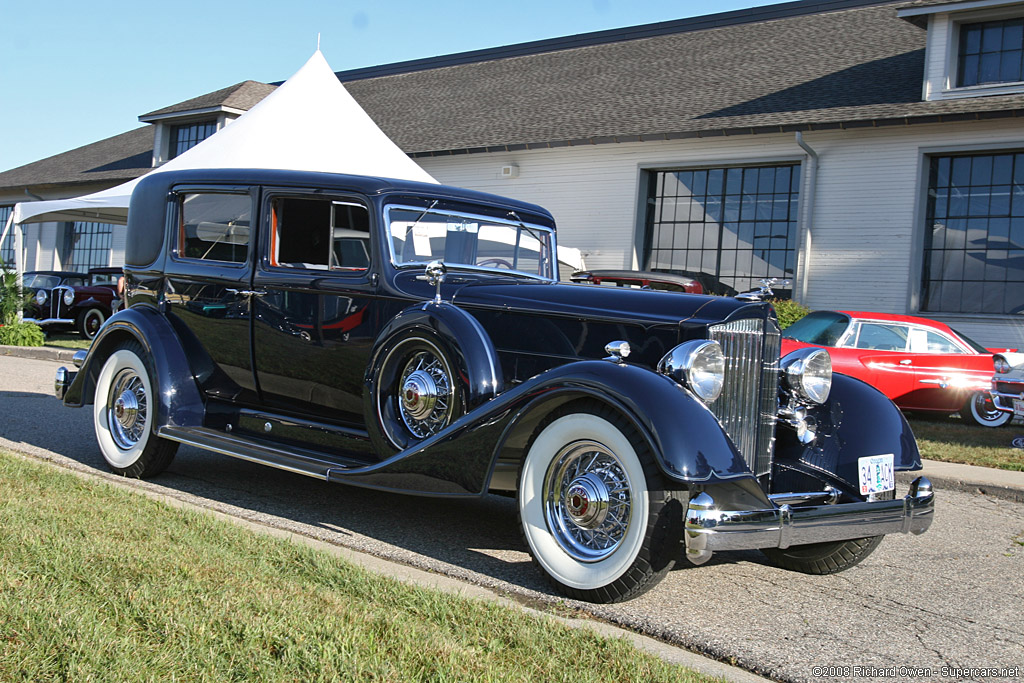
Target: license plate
[
  {"x": 1018, "y": 406},
  {"x": 876, "y": 474}
]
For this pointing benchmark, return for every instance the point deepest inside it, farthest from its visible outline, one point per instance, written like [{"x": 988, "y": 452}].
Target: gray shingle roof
[
  {"x": 116, "y": 159},
  {"x": 243, "y": 96},
  {"x": 852, "y": 67}
]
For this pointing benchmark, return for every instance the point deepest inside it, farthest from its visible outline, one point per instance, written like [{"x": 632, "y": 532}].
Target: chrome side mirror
[{"x": 436, "y": 272}]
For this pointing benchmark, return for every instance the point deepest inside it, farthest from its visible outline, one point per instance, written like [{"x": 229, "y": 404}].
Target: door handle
[
  {"x": 246, "y": 292},
  {"x": 906, "y": 361}
]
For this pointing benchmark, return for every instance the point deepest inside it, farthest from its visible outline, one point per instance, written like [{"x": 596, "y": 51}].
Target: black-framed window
[
  {"x": 974, "y": 241},
  {"x": 728, "y": 227},
  {"x": 185, "y": 137},
  {"x": 214, "y": 226},
  {"x": 991, "y": 52},
  {"x": 7, "y": 247},
  {"x": 87, "y": 245}
]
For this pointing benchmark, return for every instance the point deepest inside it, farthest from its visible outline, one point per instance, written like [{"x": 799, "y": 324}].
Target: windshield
[
  {"x": 419, "y": 236},
  {"x": 823, "y": 328},
  {"x": 40, "y": 281},
  {"x": 103, "y": 278}
]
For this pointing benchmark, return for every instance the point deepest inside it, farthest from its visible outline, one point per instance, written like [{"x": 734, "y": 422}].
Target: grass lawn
[
  {"x": 99, "y": 583},
  {"x": 67, "y": 340},
  {"x": 952, "y": 440}
]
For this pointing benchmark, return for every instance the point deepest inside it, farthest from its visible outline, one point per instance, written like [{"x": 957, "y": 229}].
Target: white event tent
[{"x": 309, "y": 123}]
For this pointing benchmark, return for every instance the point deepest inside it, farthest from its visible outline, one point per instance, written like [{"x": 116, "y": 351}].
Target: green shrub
[
  {"x": 789, "y": 311},
  {"x": 21, "y": 334},
  {"x": 12, "y": 297}
]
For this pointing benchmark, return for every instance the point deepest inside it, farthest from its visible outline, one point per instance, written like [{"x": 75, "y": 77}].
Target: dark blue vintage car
[{"x": 414, "y": 337}]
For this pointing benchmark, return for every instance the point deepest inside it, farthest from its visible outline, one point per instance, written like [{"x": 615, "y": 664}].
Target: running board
[{"x": 297, "y": 460}]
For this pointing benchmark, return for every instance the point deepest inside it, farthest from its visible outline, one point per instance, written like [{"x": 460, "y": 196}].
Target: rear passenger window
[
  {"x": 214, "y": 226},
  {"x": 319, "y": 234}
]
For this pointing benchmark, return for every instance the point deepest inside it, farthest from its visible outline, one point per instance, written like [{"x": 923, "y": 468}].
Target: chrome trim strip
[{"x": 709, "y": 529}]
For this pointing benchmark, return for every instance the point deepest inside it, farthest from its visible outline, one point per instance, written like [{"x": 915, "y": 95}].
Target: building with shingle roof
[{"x": 846, "y": 145}]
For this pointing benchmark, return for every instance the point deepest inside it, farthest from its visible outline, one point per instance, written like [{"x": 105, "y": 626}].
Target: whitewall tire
[
  {"x": 593, "y": 506},
  {"x": 123, "y": 415},
  {"x": 980, "y": 411}
]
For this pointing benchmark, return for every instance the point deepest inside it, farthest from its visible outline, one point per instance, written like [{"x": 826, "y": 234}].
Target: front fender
[
  {"x": 179, "y": 401},
  {"x": 688, "y": 441},
  {"x": 856, "y": 421}
]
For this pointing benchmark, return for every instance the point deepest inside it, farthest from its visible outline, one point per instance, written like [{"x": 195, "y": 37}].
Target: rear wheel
[
  {"x": 980, "y": 410},
  {"x": 594, "y": 509},
  {"x": 124, "y": 416}
]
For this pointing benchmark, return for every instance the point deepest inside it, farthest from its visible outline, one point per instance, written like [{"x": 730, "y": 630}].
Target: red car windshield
[{"x": 823, "y": 328}]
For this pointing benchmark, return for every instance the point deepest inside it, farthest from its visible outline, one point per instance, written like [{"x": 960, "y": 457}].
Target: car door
[
  {"x": 315, "y": 314},
  {"x": 207, "y": 282},
  {"x": 946, "y": 375},
  {"x": 875, "y": 351}
]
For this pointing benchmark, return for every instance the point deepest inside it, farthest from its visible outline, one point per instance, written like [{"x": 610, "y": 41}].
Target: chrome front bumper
[
  {"x": 49, "y": 321},
  {"x": 710, "y": 529}
]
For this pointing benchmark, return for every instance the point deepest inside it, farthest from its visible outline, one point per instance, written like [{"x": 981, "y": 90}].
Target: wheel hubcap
[
  {"x": 587, "y": 500},
  {"x": 419, "y": 395},
  {"x": 426, "y": 393},
  {"x": 126, "y": 410}
]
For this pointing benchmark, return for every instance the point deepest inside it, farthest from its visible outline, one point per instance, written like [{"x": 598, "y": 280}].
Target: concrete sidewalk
[{"x": 944, "y": 475}]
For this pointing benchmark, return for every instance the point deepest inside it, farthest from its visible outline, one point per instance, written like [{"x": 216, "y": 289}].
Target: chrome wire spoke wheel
[
  {"x": 425, "y": 398},
  {"x": 415, "y": 390},
  {"x": 587, "y": 500},
  {"x": 127, "y": 409}
]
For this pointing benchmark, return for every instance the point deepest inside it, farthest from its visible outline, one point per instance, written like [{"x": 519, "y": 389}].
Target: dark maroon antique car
[
  {"x": 639, "y": 279},
  {"x": 65, "y": 299}
]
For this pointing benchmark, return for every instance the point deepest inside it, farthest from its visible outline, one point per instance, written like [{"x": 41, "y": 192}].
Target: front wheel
[
  {"x": 594, "y": 509},
  {"x": 980, "y": 410},
  {"x": 124, "y": 416},
  {"x": 823, "y": 558},
  {"x": 90, "y": 322}
]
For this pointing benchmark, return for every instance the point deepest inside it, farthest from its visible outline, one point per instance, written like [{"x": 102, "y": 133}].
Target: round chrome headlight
[
  {"x": 41, "y": 297},
  {"x": 69, "y": 297},
  {"x": 1002, "y": 366},
  {"x": 808, "y": 373},
  {"x": 698, "y": 365}
]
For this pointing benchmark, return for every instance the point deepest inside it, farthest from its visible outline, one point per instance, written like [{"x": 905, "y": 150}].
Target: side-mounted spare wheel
[
  {"x": 595, "y": 512},
  {"x": 417, "y": 389},
  {"x": 124, "y": 415}
]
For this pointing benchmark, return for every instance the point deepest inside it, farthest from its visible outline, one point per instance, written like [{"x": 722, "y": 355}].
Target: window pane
[
  {"x": 740, "y": 228},
  {"x": 991, "y": 52},
  {"x": 215, "y": 227},
  {"x": 967, "y": 261}
]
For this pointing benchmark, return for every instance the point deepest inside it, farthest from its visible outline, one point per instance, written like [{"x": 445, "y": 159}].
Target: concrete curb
[{"x": 39, "y": 353}]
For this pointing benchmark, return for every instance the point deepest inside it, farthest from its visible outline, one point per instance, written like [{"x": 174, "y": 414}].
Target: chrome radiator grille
[{"x": 748, "y": 402}]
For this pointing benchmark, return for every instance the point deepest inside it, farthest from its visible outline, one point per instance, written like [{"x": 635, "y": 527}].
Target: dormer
[
  {"x": 182, "y": 126},
  {"x": 974, "y": 48}
]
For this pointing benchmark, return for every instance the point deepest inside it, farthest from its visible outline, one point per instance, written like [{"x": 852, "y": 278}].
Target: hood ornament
[{"x": 764, "y": 291}]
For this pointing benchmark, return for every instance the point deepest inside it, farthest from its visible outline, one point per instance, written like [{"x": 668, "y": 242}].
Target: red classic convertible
[{"x": 921, "y": 364}]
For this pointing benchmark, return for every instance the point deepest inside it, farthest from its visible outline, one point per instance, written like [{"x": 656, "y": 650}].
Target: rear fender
[{"x": 180, "y": 402}]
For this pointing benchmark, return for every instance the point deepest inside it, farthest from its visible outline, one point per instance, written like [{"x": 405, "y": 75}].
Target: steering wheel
[{"x": 500, "y": 262}]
